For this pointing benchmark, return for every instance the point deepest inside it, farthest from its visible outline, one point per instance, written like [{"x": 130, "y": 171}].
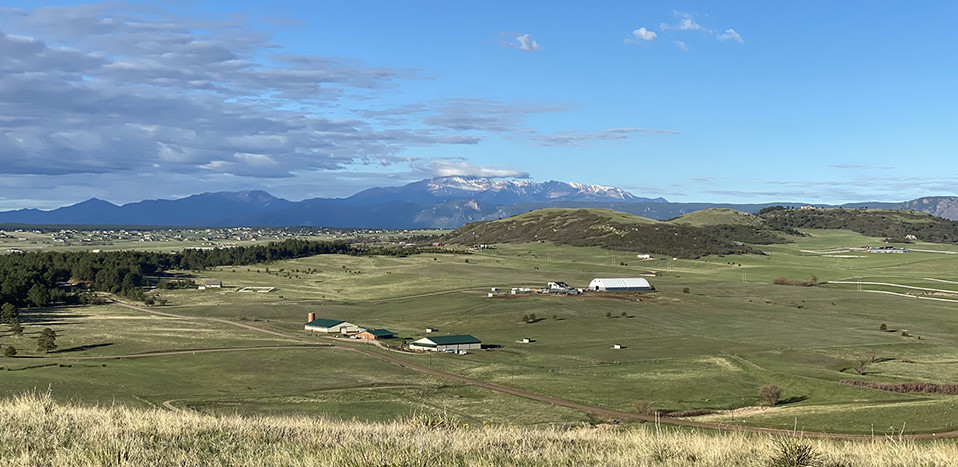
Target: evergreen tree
[
  {"x": 16, "y": 327},
  {"x": 9, "y": 351},
  {"x": 8, "y": 313},
  {"x": 47, "y": 340}
]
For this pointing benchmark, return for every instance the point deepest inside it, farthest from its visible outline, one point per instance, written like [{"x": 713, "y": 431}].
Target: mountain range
[{"x": 441, "y": 202}]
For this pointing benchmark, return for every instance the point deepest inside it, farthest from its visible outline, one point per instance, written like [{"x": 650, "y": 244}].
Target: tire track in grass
[{"x": 604, "y": 412}]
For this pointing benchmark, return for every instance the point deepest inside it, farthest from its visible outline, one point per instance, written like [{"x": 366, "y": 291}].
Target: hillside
[
  {"x": 892, "y": 224},
  {"x": 718, "y": 216},
  {"x": 616, "y": 231},
  {"x": 37, "y": 431}
]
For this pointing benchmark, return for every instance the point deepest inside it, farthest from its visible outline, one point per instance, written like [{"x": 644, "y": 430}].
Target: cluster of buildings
[{"x": 460, "y": 344}]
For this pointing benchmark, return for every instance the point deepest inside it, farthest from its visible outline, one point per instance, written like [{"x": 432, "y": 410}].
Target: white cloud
[
  {"x": 682, "y": 45},
  {"x": 526, "y": 43},
  {"x": 449, "y": 168},
  {"x": 731, "y": 34},
  {"x": 686, "y": 23},
  {"x": 644, "y": 34}
]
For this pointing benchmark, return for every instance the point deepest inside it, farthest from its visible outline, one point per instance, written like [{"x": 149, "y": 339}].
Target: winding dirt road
[{"x": 603, "y": 412}]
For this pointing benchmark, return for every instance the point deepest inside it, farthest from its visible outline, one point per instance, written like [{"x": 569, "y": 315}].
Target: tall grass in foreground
[{"x": 35, "y": 430}]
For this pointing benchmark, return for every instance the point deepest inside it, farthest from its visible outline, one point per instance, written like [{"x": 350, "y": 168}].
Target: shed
[
  {"x": 442, "y": 343},
  {"x": 376, "y": 334},
  {"x": 331, "y": 326},
  {"x": 213, "y": 283},
  {"x": 557, "y": 285},
  {"x": 623, "y": 283}
]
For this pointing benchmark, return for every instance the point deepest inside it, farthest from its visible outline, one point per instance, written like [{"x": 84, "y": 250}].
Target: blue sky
[{"x": 822, "y": 101}]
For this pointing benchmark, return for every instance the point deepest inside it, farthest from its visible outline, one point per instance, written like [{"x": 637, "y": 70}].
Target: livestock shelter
[
  {"x": 375, "y": 334},
  {"x": 620, "y": 283},
  {"x": 443, "y": 343},
  {"x": 331, "y": 326}
]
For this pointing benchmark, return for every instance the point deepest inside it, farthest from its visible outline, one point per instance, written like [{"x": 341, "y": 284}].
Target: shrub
[
  {"x": 883, "y": 327},
  {"x": 786, "y": 281},
  {"x": 644, "y": 407},
  {"x": 770, "y": 394},
  {"x": 794, "y": 452},
  {"x": 685, "y": 290},
  {"x": 923, "y": 387},
  {"x": 9, "y": 351}
]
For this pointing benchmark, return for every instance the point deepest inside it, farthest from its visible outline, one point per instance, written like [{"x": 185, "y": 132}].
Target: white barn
[{"x": 620, "y": 283}]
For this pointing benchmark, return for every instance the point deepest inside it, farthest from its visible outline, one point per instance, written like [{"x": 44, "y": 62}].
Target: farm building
[
  {"x": 213, "y": 283},
  {"x": 443, "y": 343},
  {"x": 624, "y": 283},
  {"x": 375, "y": 334},
  {"x": 558, "y": 286},
  {"x": 331, "y": 326}
]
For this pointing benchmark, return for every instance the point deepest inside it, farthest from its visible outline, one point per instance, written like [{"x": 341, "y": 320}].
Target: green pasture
[{"x": 712, "y": 333}]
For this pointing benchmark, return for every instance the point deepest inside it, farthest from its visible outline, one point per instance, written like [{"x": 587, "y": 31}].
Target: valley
[{"x": 699, "y": 347}]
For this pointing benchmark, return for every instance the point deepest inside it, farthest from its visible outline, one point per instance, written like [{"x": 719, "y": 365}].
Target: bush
[
  {"x": 9, "y": 351},
  {"x": 883, "y": 327},
  {"x": 644, "y": 407},
  {"x": 685, "y": 290},
  {"x": 770, "y": 394},
  {"x": 786, "y": 281},
  {"x": 794, "y": 452}
]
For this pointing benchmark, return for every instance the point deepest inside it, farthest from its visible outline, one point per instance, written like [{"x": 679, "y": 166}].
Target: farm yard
[{"x": 711, "y": 334}]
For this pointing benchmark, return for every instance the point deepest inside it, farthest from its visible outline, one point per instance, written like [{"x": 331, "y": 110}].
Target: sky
[{"x": 725, "y": 102}]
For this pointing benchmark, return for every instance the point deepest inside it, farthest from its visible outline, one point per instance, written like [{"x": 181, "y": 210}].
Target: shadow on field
[
  {"x": 80, "y": 348},
  {"x": 792, "y": 400},
  {"x": 59, "y": 319}
]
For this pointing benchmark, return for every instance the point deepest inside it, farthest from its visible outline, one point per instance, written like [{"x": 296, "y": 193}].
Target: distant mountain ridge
[
  {"x": 441, "y": 202},
  {"x": 493, "y": 191}
]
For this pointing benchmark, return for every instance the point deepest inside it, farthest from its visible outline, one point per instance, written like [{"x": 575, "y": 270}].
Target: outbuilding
[
  {"x": 213, "y": 284},
  {"x": 623, "y": 283},
  {"x": 443, "y": 343},
  {"x": 375, "y": 334},
  {"x": 331, "y": 326}
]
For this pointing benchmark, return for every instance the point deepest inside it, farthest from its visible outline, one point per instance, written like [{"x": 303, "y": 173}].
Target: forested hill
[
  {"x": 895, "y": 225},
  {"x": 616, "y": 230}
]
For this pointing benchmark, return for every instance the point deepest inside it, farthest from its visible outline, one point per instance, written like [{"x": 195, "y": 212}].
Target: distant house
[
  {"x": 331, "y": 326},
  {"x": 443, "y": 343},
  {"x": 376, "y": 334},
  {"x": 213, "y": 283},
  {"x": 624, "y": 283},
  {"x": 558, "y": 286},
  {"x": 645, "y": 256}
]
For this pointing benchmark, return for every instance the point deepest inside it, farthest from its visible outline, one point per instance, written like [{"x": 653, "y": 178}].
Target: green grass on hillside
[
  {"x": 37, "y": 431},
  {"x": 713, "y": 332}
]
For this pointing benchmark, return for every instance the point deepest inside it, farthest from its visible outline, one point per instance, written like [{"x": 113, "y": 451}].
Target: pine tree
[
  {"x": 8, "y": 313},
  {"x": 47, "y": 340}
]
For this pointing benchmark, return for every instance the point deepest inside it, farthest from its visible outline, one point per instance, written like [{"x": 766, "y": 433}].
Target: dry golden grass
[{"x": 35, "y": 430}]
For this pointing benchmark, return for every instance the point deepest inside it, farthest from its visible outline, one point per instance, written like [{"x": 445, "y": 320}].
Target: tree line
[{"x": 41, "y": 278}]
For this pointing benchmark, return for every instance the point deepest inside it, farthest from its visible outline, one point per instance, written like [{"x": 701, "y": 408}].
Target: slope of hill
[
  {"x": 611, "y": 230},
  {"x": 44, "y": 432},
  {"x": 718, "y": 216},
  {"x": 895, "y": 225}
]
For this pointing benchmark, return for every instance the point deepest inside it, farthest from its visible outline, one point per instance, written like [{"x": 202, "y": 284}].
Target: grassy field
[
  {"x": 712, "y": 333},
  {"x": 70, "y": 434}
]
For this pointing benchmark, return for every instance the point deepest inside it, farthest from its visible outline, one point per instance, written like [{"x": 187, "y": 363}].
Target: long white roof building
[{"x": 620, "y": 283}]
